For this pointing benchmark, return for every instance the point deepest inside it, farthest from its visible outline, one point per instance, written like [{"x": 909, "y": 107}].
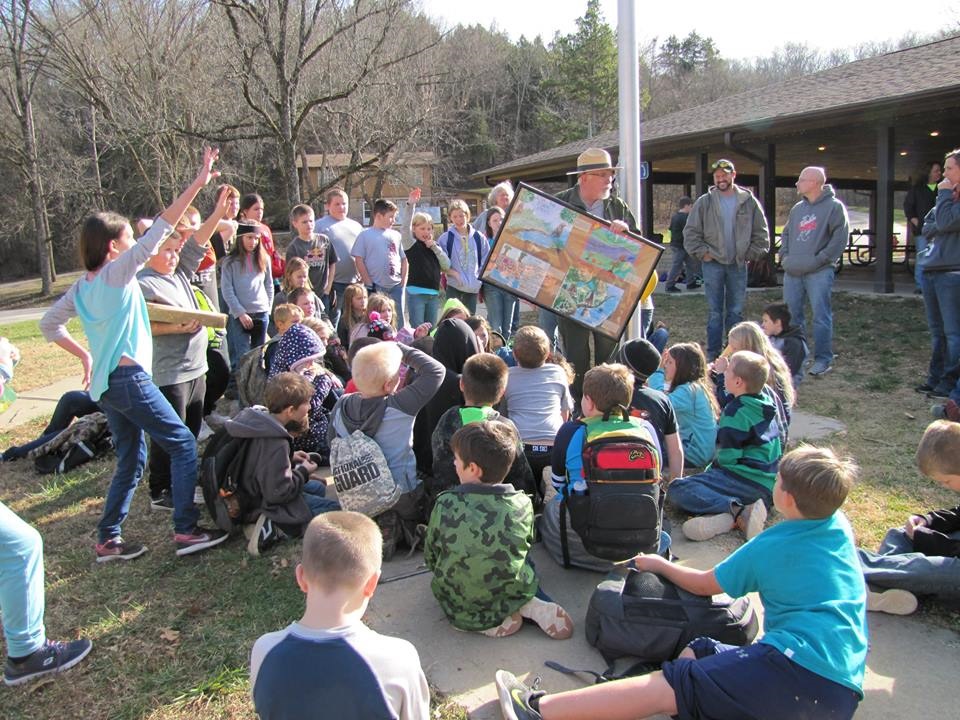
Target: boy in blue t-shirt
[
  {"x": 810, "y": 661},
  {"x": 329, "y": 663}
]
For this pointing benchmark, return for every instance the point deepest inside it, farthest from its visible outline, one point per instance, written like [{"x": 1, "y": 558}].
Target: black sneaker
[
  {"x": 694, "y": 286},
  {"x": 117, "y": 549},
  {"x": 673, "y": 289},
  {"x": 515, "y": 697},
  {"x": 52, "y": 657},
  {"x": 163, "y": 501},
  {"x": 197, "y": 541},
  {"x": 924, "y": 388},
  {"x": 265, "y": 535},
  {"x": 935, "y": 394}
]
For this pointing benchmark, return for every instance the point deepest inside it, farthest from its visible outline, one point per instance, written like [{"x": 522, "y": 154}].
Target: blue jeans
[
  {"x": 422, "y": 308},
  {"x": 72, "y": 404},
  {"x": 548, "y": 322},
  {"x": 897, "y": 565},
  {"x": 500, "y": 305},
  {"x": 333, "y": 312},
  {"x": 659, "y": 337},
  {"x": 133, "y": 405},
  {"x": 941, "y": 297},
  {"x": 396, "y": 293},
  {"x": 315, "y": 493},
  {"x": 21, "y": 584},
  {"x": 715, "y": 491},
  {"x": 240, "y": 340},
  {"x": 725, "y": 287},
  {"x": 921, "y": 243},
  {"x": 467, "y": 298},
  {"x": 817, "y": 287}
]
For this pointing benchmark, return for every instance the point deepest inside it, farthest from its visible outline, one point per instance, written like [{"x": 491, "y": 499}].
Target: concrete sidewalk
[{"x": 37, "y": 403}]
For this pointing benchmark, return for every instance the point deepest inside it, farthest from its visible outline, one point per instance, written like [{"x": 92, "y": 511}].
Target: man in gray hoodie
[{"x": 811, "y": 243}]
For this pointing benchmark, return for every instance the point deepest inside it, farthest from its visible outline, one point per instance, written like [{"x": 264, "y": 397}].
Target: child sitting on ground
[
  {"x": 285, "y": 316},
  {"x": 365, "y": 674},
  {"x": 538, "y": 398},
  {"x": 275, "y": 480},
  {"x": 479, "y": 535},
  {"x": 922, "y": 557},
  {"x": 684, "y": 372},
  {"x": 811, "y": 659},
  {"x": 786, "y": 338},
  {"x": 651, "y": 404},
  {"x": 607, "y": 390},
  {"x": 387, "y": 414},
  {"x": 483, "y": 381},
  {"x": 737, "y": 489}
]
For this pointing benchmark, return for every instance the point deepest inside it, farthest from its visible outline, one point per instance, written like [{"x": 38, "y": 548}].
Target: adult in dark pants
[
  {"x": 681, "y": 258},
  {"x": 593, "y": 194},
  {"x": 920, "y": 200}
]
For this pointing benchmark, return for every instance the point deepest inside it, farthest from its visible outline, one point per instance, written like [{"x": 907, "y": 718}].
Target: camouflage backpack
[{"x": 360, "y": 471}]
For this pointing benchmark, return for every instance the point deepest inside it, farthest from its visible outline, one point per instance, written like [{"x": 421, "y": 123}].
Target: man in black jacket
[{"x": 681, "y": 257}]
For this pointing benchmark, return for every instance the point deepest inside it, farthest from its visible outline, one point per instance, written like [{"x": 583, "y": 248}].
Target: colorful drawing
[
  {"x": 585, "y": 297},
  {"x": 520, "y": 271}
]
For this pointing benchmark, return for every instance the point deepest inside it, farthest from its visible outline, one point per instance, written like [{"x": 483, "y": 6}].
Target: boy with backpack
[
  {"x": 274, "y": 493},
  {"x": 482, "y": 381},
  {"x": 591, "y": 524},
  {"x": 328, "y": 663},
  {"x": 478, "y": 539},
  {"x": 736, "y": 490},
  {"x": 810, "y": 662},
  {"x": 384, "y": 412}
]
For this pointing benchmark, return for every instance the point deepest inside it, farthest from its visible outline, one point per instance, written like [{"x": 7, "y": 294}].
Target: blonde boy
[
  {"x": 922, "y": 557},
  {"x": 810, "y": 662},
  {"x": 285, "y": 316},
  {"x": 364, "y": 674},
  {"x": 386, "y": 413}
]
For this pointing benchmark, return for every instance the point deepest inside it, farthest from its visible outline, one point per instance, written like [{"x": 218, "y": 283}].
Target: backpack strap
[
  {"x": 450, "y": 243},
  {"x": 564, "y": 545},
  {"x": 478, "y": 240}
]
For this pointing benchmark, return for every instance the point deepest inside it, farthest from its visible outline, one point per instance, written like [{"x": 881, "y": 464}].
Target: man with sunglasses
[{"x": 726, "y": 228}]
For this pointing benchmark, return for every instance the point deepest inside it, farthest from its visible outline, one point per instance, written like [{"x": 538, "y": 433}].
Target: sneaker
[
  {"x": 935, "y": 394},
  {"x": 694, "y": 286},
  {"x": 163, "y": 501},
  {"x": 52, "y": 657},
  {"x": 751, "y": 518},
  {"x": 263, "y": 535},
  {"x": 673, "y": 289},
  {"x": 197, "y": 541},
  {"x": 515, "y": 697},
  {"x": 117, "y": 549},
  {"x": 820, "y": 368},
  {"x": 948, "y": 411},
  {"x": 892, "y": 602},
  {"x": 924, "y": 388},
  {"x": 704, "y": 527},
  {"x": 510, "y": 626},
  {"x": 205, "y": 433},
  {"x": 552, "y": 619}
]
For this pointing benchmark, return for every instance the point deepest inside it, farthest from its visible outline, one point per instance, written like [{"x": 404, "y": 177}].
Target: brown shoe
[
  {"x": 751, "y": 518},
  {"x": 552, "y": 619}
]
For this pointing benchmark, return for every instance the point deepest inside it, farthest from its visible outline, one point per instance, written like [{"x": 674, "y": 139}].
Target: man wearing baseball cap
[
  {"x": 726, "y": 228},
  {"x": 593, "y": 194}
]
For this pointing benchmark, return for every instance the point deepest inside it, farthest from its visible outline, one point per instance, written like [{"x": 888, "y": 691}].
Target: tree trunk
[{"x": 36, "y": 194}]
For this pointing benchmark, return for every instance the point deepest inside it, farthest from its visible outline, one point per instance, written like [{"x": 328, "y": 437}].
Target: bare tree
[{"x": 296, "y": 56}]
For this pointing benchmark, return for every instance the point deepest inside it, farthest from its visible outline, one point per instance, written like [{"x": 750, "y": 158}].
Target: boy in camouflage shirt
[{"x": 478, "y": 540}]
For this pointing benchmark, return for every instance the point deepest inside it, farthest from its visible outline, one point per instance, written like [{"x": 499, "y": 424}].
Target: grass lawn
[{"x": 172, "y": 637}]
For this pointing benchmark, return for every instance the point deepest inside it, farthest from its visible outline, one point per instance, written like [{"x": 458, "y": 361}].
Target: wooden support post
[
  {"x": 701, "y": 177},
  {"x": 883, "y": 280},
  {"x": 768, "y": 193},
  {"x": 646, "y": 206}
]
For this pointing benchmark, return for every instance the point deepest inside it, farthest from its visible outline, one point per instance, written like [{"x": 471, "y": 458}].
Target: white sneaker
[
  {"x": 552, "y": 619},
  {"x": 751, "y": 519},
  {"x": 893, "y": 601},
  {"x": 704, "y": 527},
  {"x": 205, "y": 432}
]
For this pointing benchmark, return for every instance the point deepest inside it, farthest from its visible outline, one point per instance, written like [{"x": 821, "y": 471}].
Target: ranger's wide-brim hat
[{"x": 593, "y": 159}]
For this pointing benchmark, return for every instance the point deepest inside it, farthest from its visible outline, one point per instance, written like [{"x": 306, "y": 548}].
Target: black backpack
[
  {"x": 87, "y": 438},
  {"x": 644, "y": 616},
  {"x": 220, "y": 469},
  {"x": 621, "y": 513}
]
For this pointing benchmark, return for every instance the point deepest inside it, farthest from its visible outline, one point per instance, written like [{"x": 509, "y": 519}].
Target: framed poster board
[{"x": 569, "y": 262}]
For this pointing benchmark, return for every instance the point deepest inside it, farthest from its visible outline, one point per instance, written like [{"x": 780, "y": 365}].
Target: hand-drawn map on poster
[{"x": 569, "y": 262}]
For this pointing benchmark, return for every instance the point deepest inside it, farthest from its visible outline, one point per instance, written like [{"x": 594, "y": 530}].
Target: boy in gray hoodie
[
  {"x": 812, "y": 241},
  {"x": 386, "y": 413}
]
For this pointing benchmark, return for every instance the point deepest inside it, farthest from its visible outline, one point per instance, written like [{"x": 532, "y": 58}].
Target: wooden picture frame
[{"x": 569, "y": 262}]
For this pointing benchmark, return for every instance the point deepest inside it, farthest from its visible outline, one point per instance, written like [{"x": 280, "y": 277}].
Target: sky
[{"x": 746, "y": 29}]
